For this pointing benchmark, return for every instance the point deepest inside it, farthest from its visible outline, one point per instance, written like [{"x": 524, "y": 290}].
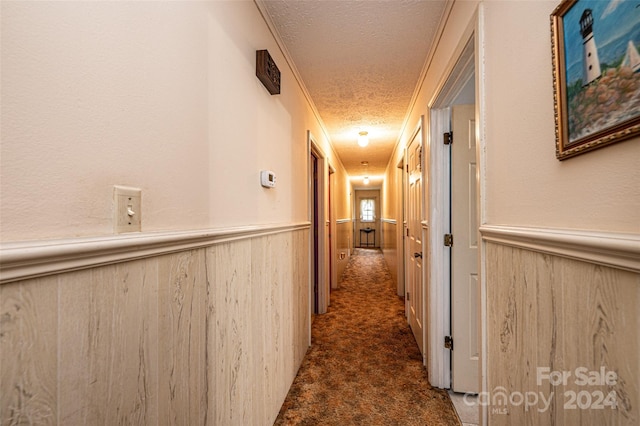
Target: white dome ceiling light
[{"x": 363, "y": 138}]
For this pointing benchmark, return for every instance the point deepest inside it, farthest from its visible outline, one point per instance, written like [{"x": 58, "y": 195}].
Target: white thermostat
[{"x": 268, "y": 179}]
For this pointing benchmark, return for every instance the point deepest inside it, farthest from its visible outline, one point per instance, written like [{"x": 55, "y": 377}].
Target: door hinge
[
  {"x": 448, "y": 342},
  {"x": 448, "y": 240},
  {"x": 407, "y": 232},
  {"x": 407, "y": 296},
  {"x": 407, "y": 168},
  {"x": 448, "y": 138}
]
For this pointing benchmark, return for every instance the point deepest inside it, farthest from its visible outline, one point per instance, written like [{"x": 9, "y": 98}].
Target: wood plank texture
[
  {"x": 344, "y": 233},
  {"x": 182, "y": 338},
  {"x": 108, "y": 364},
  {"x": 28, "y": 355},
  {"x": 302, "y": 338},
  {"x": 261, "y": 332},
  {"x": 207, "y": 336},
  {"x": 390, "y": 248},
  {"x": 231, "y": 273},
  {"x": 553, "y": 313}
]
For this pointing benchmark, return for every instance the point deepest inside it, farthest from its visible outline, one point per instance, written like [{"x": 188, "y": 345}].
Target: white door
[
  {"x": 464, "y": 252},
  {"x": 414, "y": 253}
]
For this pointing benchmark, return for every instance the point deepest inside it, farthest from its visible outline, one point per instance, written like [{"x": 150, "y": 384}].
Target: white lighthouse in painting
[{"x": 591, "y": 63}]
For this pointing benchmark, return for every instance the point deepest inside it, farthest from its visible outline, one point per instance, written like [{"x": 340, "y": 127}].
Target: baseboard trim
[
  {"x": 24, "y": 260},
  {"x": 611, "y": 249}
]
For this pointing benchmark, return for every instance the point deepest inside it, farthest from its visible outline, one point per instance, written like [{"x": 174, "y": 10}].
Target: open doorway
[
  {"x": 454, "y": 216},
  {"x": 320, "y": 273},
  {"x": 315, "y": 225}
]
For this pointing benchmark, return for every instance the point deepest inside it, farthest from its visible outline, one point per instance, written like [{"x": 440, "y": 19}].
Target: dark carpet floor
[{"x": 364, "y": 367}]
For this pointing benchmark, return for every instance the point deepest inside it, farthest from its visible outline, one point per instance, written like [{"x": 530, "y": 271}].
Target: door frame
[
  {"x": 400, "y": 229},
  {"x": 440, "y": 213},
  {"x": 439, "y": 256},
  {"x": 331, "y": 223},
  {"x": 466, "y": 58},
  {"x": 323, "y": 244}
]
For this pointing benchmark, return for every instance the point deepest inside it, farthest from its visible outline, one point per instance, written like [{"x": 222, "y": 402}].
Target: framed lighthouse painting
[{"x": 596, "y": 73}]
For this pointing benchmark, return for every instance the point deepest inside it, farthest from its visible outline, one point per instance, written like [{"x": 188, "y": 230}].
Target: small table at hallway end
[{"x": 368, "y": 231}]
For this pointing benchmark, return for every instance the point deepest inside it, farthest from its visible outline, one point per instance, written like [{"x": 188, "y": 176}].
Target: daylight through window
[{"x": 367, "y": 208}]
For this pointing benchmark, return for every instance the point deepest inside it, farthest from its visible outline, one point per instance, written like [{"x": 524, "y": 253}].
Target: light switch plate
[{"x": 128, "y": 209}]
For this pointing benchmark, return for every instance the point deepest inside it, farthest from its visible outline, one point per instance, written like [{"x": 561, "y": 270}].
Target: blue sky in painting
[{"x": 615, "y": 22}]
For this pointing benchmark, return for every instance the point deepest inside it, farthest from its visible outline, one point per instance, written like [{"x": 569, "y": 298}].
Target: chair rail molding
[
  {"x": 618, "y": 250},
  {"x": 31, "y": 259}
]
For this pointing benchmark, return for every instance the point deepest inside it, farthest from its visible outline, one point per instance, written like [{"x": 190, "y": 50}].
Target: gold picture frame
[{"x": 596, "y": 92}]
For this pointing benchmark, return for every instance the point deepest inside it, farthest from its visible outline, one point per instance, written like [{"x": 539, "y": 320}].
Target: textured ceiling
[{"x": 360, "y": 62}]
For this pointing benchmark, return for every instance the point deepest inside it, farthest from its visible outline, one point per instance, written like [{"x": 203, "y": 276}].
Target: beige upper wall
[
  {"x": 342, "y": 192},
  {"x": 525, "y": 184},
  {"x": 390, "y": 195},
  {"x": 391, "y": 189},
  {"x": 157, "y": 95}
]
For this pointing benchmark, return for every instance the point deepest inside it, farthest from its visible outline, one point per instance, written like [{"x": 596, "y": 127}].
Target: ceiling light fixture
[
  {"x": 363, "y": 138},
  {"x": 366, "y": 180}
]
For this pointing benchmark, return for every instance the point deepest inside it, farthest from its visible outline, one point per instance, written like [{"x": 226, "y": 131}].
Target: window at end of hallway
[{"x": 367, "y": 208}]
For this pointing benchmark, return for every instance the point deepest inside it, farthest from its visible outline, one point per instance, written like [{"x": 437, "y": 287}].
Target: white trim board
[
  {"x": 611, "y": 249},
  {"x": 24, "y": 260}
]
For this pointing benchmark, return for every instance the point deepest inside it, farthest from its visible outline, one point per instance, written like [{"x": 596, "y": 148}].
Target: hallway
[
  {"x": 162, "y": 208},
  {"x": 363, "y": 366}
]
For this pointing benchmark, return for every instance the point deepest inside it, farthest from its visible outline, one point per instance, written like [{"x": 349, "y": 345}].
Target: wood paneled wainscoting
[
  {"x": 563, "y": 328},
  {"x": 344, "y": 246},
  {"x": 389, "y": 247},
  {"x": 185, "y": 328}
]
